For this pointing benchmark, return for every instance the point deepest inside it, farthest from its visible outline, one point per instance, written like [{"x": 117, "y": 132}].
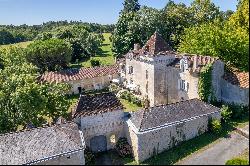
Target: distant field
[
  {"x": 107, "y": 57},
  {"x": 21, "y": 44}
]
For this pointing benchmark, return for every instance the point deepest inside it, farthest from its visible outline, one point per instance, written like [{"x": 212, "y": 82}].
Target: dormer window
[{"x": 183, "y": 65}]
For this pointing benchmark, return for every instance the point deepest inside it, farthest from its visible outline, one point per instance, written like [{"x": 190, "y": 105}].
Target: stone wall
[
  {"x": 234, "y": 94},
  {"x": 71, "y": 159},
  {"x": 217, "y": 74},
  {"x": 108, "y": 124},
  {"x": 156, "y": 141},
  {"x": 192, "y": 92},
  {"x": 139, "y": 77}
]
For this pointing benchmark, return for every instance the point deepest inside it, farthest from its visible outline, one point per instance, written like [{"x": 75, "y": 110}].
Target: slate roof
[
  {"x": 33, "y": 145},
  {"x": 89, "y": 105},
  {"x": 78, "y": 74},
  {"x": 161, "y": 115},
  {"x": 238, "y": 78}
]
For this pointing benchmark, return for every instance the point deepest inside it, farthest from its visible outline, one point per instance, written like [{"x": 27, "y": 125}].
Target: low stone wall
[
  {"x": 234, "y": 94},
  {"x": 155, "y": 141}
]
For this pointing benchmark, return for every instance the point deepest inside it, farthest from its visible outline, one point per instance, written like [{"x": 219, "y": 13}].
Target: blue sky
[{"x": 100, "y": 11}]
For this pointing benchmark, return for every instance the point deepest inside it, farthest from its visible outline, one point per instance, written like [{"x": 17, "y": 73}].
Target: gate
[{"x": 98, "y": 143}]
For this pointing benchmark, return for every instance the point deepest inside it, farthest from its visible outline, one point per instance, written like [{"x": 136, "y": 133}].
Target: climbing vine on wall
[{"x": 205, "y": 83}]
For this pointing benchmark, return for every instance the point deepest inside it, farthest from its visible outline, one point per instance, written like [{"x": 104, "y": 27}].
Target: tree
[
  {"x": 6, "y": 37},
  {"x": 23, "y": 99},
  {"x": 130, "y": 6},
  {"x": 127, "y": 32},
  {"x": 240, "y": 19},
  {"x": 52, "y": 54},
  {"x": 205, "y": 11},
  {"x": 175, "y": 17},
  {"x": 218, "y": 39}
]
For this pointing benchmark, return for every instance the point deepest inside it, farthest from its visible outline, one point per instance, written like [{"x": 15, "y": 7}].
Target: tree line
[
  {"x": 10, "y": 34},
  {"x": 201, "y": 28}
]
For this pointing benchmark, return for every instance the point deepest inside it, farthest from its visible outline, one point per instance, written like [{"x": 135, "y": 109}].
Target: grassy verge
[
  {"x": 106, "y": 57},
  {"x": 242, "y": 159}
]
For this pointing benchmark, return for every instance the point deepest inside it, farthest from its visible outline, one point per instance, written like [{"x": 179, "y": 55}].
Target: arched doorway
[{"x": 98, "y": 144}]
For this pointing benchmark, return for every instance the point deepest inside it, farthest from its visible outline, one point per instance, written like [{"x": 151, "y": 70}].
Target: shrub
[
  {"x": 95, "y": 62},
  {"x": 123, "y": 148},
  {"x": 88, "y": 155},
  {"x": 214, "y": 126},
  {"x": 237, "y": 161},
  {"x": 114, "y": 88},
  {"x": 226, "y": 113},
  {"x": 238, "y": 111}
]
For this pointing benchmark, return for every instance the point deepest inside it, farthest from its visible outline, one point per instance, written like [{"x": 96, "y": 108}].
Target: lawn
[
  {"x": 129, "y": 106},
  {"x": 106, "y": 57},
  {"x": 21, "y": 44}
]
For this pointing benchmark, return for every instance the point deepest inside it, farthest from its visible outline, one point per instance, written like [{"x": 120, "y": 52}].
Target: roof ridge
[{"x": 36, "y": 128}]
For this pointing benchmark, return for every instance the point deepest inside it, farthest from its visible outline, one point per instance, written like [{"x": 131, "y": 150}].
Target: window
[
  {"x": 183, "y": 65},
  {"x": 130, "y": 70},
  {"x": 112, "y": 139},
  {"x": 183, "y": 85},
  {"x": 146, "y": 74}
]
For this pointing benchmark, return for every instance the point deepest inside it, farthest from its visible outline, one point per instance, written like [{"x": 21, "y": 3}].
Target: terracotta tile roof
[
  {"x": 78, "y": 74},
  {"x": 89, "y": 105},
  {"x": 156, "y": 44},
  {"x": 160, "y": 115},
  {"x": 198, "y": 60},
  {"x": 36, "y": 144},
  {"x": 238, "y": 78}
]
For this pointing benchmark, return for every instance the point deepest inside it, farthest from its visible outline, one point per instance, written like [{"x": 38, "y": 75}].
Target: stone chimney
[
  {"x": 195, "y": 62},
  {"x": 137, "y": 47}
]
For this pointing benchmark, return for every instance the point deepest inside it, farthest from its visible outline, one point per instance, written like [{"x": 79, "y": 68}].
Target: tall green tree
[
  {"x": 205, "y": 11},
  {"x": 52, "y": 54},
  {"x": 23, "y": 100},
  {"x": 130, "y": 6}
]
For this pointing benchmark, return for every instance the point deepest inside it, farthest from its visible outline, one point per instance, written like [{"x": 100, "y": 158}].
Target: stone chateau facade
[{"x": 164, "y": 76}]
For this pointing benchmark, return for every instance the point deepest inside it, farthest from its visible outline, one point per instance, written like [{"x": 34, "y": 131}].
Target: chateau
[
  {"x": 164, "y": 76},
  {"x": 167, "y": 79}
]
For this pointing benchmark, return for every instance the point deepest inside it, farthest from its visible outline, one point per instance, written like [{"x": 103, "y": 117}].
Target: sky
[{"x": 34, "y": 12}]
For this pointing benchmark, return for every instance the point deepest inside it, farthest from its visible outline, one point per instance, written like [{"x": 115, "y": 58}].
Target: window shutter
[
  {"x": 186, "y": 85},
  {"x": 179, "y": 84}
]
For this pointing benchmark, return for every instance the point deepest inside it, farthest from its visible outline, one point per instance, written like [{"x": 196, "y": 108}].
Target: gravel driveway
[{"x": 219, "y": 152}]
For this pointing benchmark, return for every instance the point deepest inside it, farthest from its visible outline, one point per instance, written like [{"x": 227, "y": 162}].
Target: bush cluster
[
  {"x": 233, "y": 111},
  {"x": 131, "y": 98},
  {"x": 214, "y": 126},
  {"x": 123, "y": 148}
]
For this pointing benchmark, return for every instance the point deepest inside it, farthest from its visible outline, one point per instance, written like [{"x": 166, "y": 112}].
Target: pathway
[{"x": 220, "y": 152}]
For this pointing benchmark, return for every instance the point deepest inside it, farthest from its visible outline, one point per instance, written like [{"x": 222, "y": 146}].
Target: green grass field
[
  {"x": 21, "y": 44},
  {"x": 106, "y": 57}
]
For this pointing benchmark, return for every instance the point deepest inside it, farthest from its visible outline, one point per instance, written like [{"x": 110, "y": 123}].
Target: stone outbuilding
[
  {"x": 93, "y": 78},
  {"x": 156, "y": 129},
  {"x": 101, "y": 118},
  {"x": 56, "y": 145}
]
